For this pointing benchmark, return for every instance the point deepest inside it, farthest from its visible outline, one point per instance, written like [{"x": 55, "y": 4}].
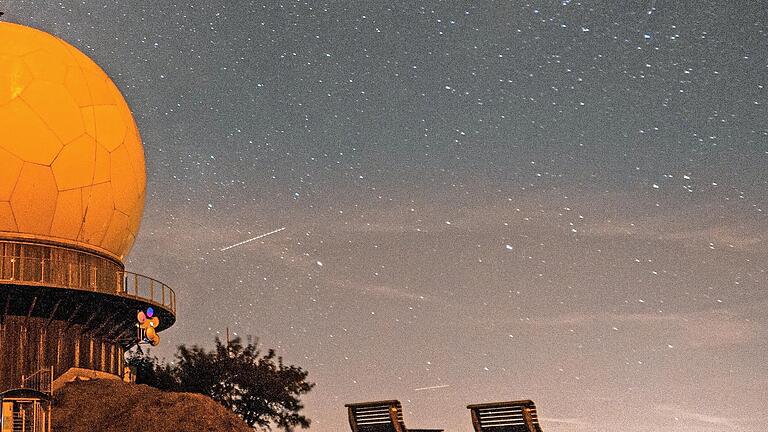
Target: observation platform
[{"x": 54, "y": 267}]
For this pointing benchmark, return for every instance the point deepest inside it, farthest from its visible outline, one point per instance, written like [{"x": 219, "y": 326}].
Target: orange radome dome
[{"x": 71, "y": 161}]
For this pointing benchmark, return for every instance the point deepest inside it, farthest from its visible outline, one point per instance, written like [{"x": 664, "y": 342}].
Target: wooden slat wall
[{"x": 28, "y": 345}]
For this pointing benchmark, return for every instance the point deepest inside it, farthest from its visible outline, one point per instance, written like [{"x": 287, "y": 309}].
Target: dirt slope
[{"x": 114, "y": 406}]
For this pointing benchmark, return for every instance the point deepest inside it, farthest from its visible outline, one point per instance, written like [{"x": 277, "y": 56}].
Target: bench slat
[
  {"x": 514, "y": 416},
  {"x": 376, "y": 417}
]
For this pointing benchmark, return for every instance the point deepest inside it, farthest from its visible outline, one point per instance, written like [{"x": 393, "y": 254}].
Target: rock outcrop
[{"x": 115, "y": 406}]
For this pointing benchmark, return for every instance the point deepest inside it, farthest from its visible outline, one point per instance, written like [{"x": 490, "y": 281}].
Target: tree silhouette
[{"x": 258, "y": 387}]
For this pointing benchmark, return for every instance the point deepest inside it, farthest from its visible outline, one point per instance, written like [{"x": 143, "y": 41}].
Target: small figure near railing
[{"x": 129, "y": 374}]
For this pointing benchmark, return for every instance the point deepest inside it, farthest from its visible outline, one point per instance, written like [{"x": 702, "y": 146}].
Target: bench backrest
[
  {"x": 514, "y": 416},
  {"x": 380, "y": 416}
]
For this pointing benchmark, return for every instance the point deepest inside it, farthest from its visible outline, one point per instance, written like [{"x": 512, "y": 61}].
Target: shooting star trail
[
  {"x": 251, "y": 239},
  {"x": 432, "y": 387}
]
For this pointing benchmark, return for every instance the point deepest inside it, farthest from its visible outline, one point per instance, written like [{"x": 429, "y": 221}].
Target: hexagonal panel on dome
[
  {"x": 68, "y": 215},
  {"x": 53, "y": 103},
  {"x": 34, "y": 199},
  {"x": 9, "y": 174},
  {"x": 25, "y": 135},
  {"x": 73, "y": 164}
]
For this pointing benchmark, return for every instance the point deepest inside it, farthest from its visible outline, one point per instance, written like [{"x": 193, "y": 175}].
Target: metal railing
[
  {"x": 145, "y": 288},
  {"x": 85, "y": 277},
  {"x": 41, "y": 381}
]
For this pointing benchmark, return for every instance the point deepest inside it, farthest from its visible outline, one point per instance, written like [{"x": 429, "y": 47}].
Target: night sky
[{"x": 557, "y": 200}]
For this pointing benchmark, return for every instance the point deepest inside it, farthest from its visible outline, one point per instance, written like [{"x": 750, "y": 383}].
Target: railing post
[
  {"x": 93, "y": 278},
  {"x": 149, "y": 287}
]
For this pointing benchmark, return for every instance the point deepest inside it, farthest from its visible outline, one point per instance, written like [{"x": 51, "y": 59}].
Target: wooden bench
[
  {"x": 513, "y": 416},
  {"x": 379, "y": 416}
]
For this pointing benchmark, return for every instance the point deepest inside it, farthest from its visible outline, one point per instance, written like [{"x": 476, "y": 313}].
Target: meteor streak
[
  {"x": 432, "y": 387},
  {"x": 251, "y": 239}
]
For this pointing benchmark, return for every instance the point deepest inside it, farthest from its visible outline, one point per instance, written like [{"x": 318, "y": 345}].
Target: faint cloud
[
  {"x": 683, "y": 414},
  {"x": 695, "y": 329},
  {"x": 730, "y": 237},
  {"x": 714, "y": 332},
  {"x": 610, "y": 229},
  {"x": 733, "y": 238},
  {"x": 396, "y": 293}
]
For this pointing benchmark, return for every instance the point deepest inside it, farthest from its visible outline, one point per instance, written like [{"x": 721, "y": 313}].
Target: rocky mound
[{"x": 114, "y": 406}]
